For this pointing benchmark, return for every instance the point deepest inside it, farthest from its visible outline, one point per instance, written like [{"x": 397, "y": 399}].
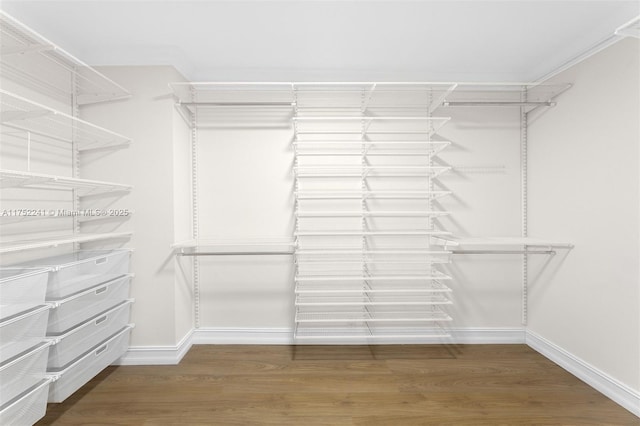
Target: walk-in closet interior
[{"x": 184, "y": 181}]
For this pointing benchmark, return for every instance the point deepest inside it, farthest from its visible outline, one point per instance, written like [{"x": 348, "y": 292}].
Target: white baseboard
[
  {"x": 170, "y": 355},
  {"x": 603, "y": 383},
  {"x": 157, "y": 355}
]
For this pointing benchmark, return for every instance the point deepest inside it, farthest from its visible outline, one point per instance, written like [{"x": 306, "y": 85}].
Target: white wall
[
  {"x": 148, "y": 164},
  {"x": 584, "y": 189},
  {"x": 485, "y": 183}
]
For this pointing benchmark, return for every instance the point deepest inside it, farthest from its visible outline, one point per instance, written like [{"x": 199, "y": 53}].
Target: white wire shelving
[
  {"x": 37, "y": 120},
  {"x": 20, "y": 179},
  {"x": 367, "y": 333},
  {"x": 410, "y": 287},
  {"x": 66, "y": 76},
  {"x": 379, "y": 213},
  {"x": 338, "y": 194},
  {"x": 364, "y": 170},
  {"x": 9, "y": 246},
  {"x": 375, "y": 317}
]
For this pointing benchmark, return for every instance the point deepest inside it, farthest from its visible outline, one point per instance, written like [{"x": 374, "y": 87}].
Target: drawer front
[
  {"x": 80, "y": 339},
  {"x": 80, "y": 307},
  {"x": 27, "y": 408},
  {"x": 89, "y": 365},
  {"x": 21, "y": 290},
  {"x": 80, "y": 270},
  {"x": 22, "y": 372},
  {"x": 21, "y": 332}
]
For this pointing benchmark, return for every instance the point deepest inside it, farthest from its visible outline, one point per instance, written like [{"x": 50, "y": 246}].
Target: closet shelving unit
[
  {"x": 23, "y": 49},
  {"x": 364, "y": 184},
  {"x": 367, "y": 243},
  {"x": 43, "y": 88},
  {"x": 28, "y": 124}
]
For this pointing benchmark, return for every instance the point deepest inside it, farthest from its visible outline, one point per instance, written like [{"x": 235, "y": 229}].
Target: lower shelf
[
  {"x": 372, "y": 300},
  {"x": 375, "y": 317},
  {"x": 364, "y": 334}
]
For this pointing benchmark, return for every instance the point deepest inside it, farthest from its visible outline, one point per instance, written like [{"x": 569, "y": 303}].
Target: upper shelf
[
  {"x": 10, "y": 246},
  {"x": 23, "y": 115},
  {"x": 15, "y": 178},
  {"x": 60, "y": 75},
  {"x": 369, "y": 99}
]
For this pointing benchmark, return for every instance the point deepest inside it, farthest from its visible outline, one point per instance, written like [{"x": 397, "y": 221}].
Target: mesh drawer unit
[
  {"x": 77, "y": 308},
  {"x": 73, "y": 343},
  {"x": 23, "y": 371},
  {"x": 21, "y": 332},
  {"x": 77, "y": 271},
  {"x": 28, "y": 407},
  {"x": 86, "y": 366},
  {"x": 21, "y": 289}
]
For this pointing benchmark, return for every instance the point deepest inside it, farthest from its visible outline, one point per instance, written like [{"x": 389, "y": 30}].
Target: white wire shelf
[
  {"x": 397, "y": 148},
  {"x": 21, "y": 114},
  {"x": 327, "y": 171},
  {"x": 370, "y": 259},
  {"x": 493, "y": 242},
  {"x": 367, "y": 334},
  {"x": 412, "y": 287},
  {"x": 371, "y": 317},
  {"x": 356, "y": 101},
  {"x": 9, "y": 246},
  {"x": 338, "y": 194},
  {"x": 400, "y": 277},
  {"x": 371, "y": 300},
  {"x": 358, "y": 251},
  {"x": 20, "y": 45},
  {"x": 405, "y": 213},
  {"x": 14, "y": 178},
  {"x": 360, "y": 233}
]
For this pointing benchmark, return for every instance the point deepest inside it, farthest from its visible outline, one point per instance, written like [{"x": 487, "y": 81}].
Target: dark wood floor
[{"x": 342, "y": 385}]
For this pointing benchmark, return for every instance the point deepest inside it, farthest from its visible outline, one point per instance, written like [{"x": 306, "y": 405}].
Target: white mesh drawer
[
  {"x": 27, "y": 408},
  {"x": 85, "y": 367},
  {"x": 21, "y": 289},
  {"x": 78, "y": 271},
  {"x": 77, "y": 308},
  {"x": 23, "y": 331},
  {"x": 79, "y": 339},
  {"x": 22, "y": 372}
]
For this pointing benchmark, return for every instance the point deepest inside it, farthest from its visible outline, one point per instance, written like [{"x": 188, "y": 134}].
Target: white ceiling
[{"x": 328, "y": 40}]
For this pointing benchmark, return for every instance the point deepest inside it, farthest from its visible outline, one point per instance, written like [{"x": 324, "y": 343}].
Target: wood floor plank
[{"x": 342, "y": 385}]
